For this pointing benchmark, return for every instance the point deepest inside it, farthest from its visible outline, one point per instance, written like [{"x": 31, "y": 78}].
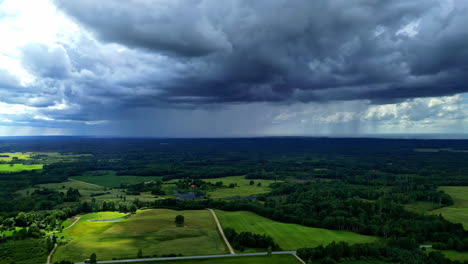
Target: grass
[
  {"x": 19, "y": 167},
  {"x": 88, "y": 191},
  {"x": 273, "y": 259},
  {"x": 455, "y": 255},
  {"x": 12, "y": 155},
  {"x": 113, "y": 181},
  {"x": 458, "y": 213},
  {"x": 7, "y": 233},
  {"x": 421, "y": 207},
  {"x": 242, "y": 190},
  {"x": 153, "y": 231},
  {"x": 452, "y": 254},
  {"x": 288, "y": 236},
  {"x": 28, "y": 251}
]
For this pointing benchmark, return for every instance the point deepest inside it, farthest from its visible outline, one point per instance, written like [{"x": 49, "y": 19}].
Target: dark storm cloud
[{"x": 198, "y": 52}]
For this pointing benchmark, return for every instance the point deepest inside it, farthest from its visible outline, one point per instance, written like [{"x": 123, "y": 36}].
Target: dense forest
[{"x": 359, "y": 185}]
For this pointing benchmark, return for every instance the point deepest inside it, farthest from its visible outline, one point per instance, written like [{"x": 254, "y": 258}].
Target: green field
[
  {"x": 29, "y": 251},
  {"x": 457, "y": 213},
  {"x": 273, "y": 259},
  {"x": 19, "y": 167},
  {"x": 153, "y": 231},
  {"x": 113, "y": 181},
  {"x": 288, "y": 236},
  {"x": 12, "y": 155},
  {"x": 452, "y": 254},
  {"x": 88, "y": 191},
  {"x": 242, "y": 190},
  {"x": 421, "y": 207}
]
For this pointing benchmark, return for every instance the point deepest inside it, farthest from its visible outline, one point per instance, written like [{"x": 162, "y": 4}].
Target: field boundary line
[
  {"x": 222, "y": 232},
  {"x": 195, "y": 257},
  {"x": 76, "y": 220},
  {"x": 70, "y": 179},
  {"x": 50, "y": 254}
]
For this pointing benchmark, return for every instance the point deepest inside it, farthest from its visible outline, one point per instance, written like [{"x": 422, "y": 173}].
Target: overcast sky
[{"x": 183, "y": 68}]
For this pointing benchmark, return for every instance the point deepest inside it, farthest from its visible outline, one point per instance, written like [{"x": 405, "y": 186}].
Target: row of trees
[
  {"x": 380, "y": 218},
  {"x": 244, "y": 240},
  {"x": 336, "y": 252}
]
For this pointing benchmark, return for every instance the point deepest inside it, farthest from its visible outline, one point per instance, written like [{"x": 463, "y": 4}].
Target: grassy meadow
[
  {"x": 242, "y": 189},
  {"x": 29, "y": 251},
  {"x": 421, "y": 207},
  {"x": 288, "y": 236},
  {"x": 11, "y": 155},
  {"x": 452, "y": 254},
  {"x": 457, "y": 213},
  {"x": 111, "y": 180},
  {"x": 153, "y": 231},
  {"x": 88, "y": 191},
  {"x": 19, "y": 167}
]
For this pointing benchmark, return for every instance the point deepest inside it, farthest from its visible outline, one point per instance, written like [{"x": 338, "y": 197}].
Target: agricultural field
[
  {"x": 89, "y": 191},
  {"x": 29, "y": 251},
  {"x": 19, "y": 167},
  {"x": 243, "y": 188},
  {"x": 452, "y": 254},
  {"x": 288, "y": 236},
  {"x": 51, "y": 157},
  {"x": 8, "y": 156},
  {"x": 457, "y": 213},
  {"x": 421, "y": 207},
  {"x": 153, "y": 231},
  {"x": 110, "y": 180},
  {"x": 273, "y": 259}
]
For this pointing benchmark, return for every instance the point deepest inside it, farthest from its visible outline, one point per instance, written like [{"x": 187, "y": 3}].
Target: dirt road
[{"x": 222, "y": 232}]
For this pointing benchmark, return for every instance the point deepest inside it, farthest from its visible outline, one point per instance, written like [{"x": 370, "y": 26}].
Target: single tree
[
  {"x": 179, "y": 220},
  {"x": 140, "y": 253},
  {"x": 93, "y": 259},
  {"x": 269, "y": 251},
  {"x": 251, "y": 182},
  {"x": 133, "y": 208}
]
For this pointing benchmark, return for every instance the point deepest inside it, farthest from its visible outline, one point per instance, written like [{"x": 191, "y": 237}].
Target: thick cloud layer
[
  {"x": 233, "y": 67},
  {"x": 281, "y": 50}
]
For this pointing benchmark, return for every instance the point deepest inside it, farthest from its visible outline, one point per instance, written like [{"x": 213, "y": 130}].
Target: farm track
[
  {"x": 51, "y": 253},
  {"x": 76, "y": 220},
  {"x": 70, "y": 179},
  {"x": 231, "y": 250}
]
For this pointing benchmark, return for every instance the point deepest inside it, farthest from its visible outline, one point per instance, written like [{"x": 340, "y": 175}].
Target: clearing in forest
[
  {"x": 288, "y": 236},
  {"x": 457, "y": 213},
  {"x": 242, "y": 189}
]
